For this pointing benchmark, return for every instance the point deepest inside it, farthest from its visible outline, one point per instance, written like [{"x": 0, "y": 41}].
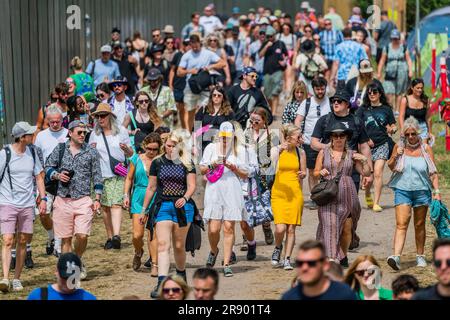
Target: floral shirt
[
  {"x": 348, "y": 53},
  {"x": 290, "y": 112},
  {"x": 86, "y": 167},
  {"x": 165, "y": 101}
]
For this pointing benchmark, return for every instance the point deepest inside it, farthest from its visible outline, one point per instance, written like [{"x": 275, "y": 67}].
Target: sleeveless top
[
  {"x": 145, "y": 129},
  {"x": 419, "y": 114}
]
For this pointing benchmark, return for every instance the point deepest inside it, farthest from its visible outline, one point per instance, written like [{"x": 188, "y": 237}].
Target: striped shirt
[{"x": 329, "y": 40}]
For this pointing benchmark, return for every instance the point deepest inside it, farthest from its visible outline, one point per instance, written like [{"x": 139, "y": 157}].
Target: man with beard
[
  {"x": 244, "y": 97},
  {"x": 120, "y": 103},
  {"x": 313, "y": 283}
]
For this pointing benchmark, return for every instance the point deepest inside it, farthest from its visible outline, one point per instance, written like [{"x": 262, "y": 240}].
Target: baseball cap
[
  {"x": 154, "y": 74},
  {"x": 226, "y": 130},
  {"x": 365, "y": 66},
  {"x": 68, "y": 264},
  {"x": 117, "y": 44},
  {"x": 248, "y": 70},
  {"x": 21, "y": 129},
  {"x": 236, "y": 10},
  {"x": 395, "y": 34},
  {"x": 270, "y": 31},
  {"x": 76, "y": 124},
  {"x": 106, "y": 48}
]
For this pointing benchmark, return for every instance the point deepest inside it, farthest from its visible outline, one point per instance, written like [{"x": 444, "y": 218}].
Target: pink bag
[
  {"x": 214, "y": 175},
  {"x": 121, "y": 170}
]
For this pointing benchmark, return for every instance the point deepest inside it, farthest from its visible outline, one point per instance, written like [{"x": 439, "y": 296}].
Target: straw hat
[{"x": 104, "y": 108}]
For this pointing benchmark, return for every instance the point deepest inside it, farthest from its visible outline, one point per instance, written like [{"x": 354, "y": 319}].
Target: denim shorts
[
  {"x": 414, "y": 199},
  {"x": 168, "y": 212}
]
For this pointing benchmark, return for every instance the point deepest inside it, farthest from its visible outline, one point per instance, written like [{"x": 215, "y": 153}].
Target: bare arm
[
  {"x": 262, "y": 53},
  {"x": 410, "y": 64},
  {"x": 381, "y": 65},
  {"x": 393, "y": 160},
  {"x": 299, "y": 120},
  {"x": 129, "y": 179},
  {"x": 317, "y": 145},
  {"x": 182, "y": 72},
  {"x": 191, "y": 185},
  {"x": 171, "y": 77},
  {"x": 221, "y": 64},
  {"x": 151, "y": 189},
  {"x": 319, "y": 164},
  {"x": 402, "y": 112},
  {"x": 365, "y": 150}
]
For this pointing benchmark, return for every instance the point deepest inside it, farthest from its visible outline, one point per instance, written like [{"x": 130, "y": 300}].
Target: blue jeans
[{"x": 415, "y": 199}]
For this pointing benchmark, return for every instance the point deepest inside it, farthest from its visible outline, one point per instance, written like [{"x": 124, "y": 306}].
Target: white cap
[
  {"x": 106, "y": 48},
  {"x": 21, "y": 129},
  {"x": 226, "y": 130}
]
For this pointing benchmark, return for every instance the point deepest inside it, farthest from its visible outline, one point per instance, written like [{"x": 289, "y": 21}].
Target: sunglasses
[
  {"x": 255, "y": 121},
  {"x": 81, "y": 133},
  {"x": 254, "y": 76},
  {"x": 374, "y": 92},
  {"x": 338, "y": 101},
  {"x": 438, "y": 263},
  {"x": 316, "y": 39},
  {"x": 213, "y": 40},
  {"x": 310, "y": 263},
  {"x": 152, "y": 149},
  {"x": 362, "y": 272},
  {"x": 143, "y": 101},
  {"x": 169, "y": 42},
  {"x": 217, "y": 95},
  {"x": 156, "y": 35},
  {"x": 102, "y": 116},
  {"x": 174, "y": 290},
  {"x": 414, "y": 134},
  {"x": 328, "y": 24},
  {"x": 116, "y": 85},
  {"x": 100, "y": 96},
  {"x": 339, "y": 135},
  {"x": 308, "y": 31}
]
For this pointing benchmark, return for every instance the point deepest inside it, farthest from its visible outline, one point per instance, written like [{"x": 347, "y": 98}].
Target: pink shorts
[
  {"x": 72, "y": 216},
  {"x": 14, "y": 220}
]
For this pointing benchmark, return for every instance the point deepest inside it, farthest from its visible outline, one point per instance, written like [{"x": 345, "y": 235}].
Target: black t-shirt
[
  {"x": 336, "y": 291},
  {"x": 164, "y": 67},
  {"x": 128, "y": 70},
  {"x": 178, "y": 83},
  {"x": 350, "y": 121},
  {"x": 276, "y": 53},
  {"x": 375, "y": 121},
  {"x": 244, "y": 102},
  {"x": 171, "y": 178},
  {"x": 430, "y": 293}
]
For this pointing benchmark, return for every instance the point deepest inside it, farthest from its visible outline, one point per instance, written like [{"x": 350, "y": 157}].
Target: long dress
[
  {"x": 287, "y": 195},
  {"x": 332, "y": 217}
]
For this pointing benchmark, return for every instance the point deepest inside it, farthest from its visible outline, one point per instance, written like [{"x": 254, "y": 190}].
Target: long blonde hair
[
  {"x": 184, "y": 156},
  {"x": 288, "y": 130},
  {"x": 299, "y": 85}
]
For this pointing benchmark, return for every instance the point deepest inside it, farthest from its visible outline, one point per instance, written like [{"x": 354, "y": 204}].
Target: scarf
[{"x": 401, "y": 160}]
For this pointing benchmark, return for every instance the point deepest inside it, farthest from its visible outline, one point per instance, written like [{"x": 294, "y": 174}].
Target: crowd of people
[{"x": 138, "y": 126}]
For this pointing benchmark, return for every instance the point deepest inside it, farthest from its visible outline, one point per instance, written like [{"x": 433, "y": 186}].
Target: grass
[{"x": 442, "y": 157}]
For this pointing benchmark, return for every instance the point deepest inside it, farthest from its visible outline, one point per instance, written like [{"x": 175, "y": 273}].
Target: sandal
[
  {"x": 369, "y": 202},
  {"x": 154, "y": 273},
  {"x": 137, "y": 260}
]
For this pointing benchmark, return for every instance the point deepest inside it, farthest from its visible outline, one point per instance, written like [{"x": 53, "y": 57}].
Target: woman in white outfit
[{"x": 224, "y": 199}]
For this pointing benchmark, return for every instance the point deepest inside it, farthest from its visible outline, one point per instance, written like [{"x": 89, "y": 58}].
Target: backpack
[
  {"x": 311, "y": 69},
  {"x": 93, "y": 69},
  {"x": 8, "y": 160},
  {"x": 308, "y": 106},
  {"x": 51, "y": 186}
]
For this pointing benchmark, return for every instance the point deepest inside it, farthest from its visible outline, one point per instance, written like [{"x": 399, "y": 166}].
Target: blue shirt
[
  {"x": 348, "y": 53},
  {"x": 198, "y": 60},
  {"x": 336, "y": 291},
  {"x": 79, "y": 294},
  {"x": 254, "y": 49},
  {"x": 329, "y": 41},
  {"x": 239, "y": 52},
  {"x": 102, "y": 70}
]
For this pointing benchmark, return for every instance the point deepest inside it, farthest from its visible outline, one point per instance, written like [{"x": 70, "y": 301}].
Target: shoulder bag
[{"x": 117, "y": 167}]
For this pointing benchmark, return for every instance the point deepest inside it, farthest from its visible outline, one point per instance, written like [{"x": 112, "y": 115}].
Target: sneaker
[
  {"x": 313, "y": 206},
  {"x": 251, "y": 253},
  {"x": 276, "y": 256},
  {"x": 4, "y": 285},
  {"x": 369, "y": 202},
  {"x": 83, "y": 273},
  {"x": 244, "y": 246},
  {"x": 211, "y": 262},
  {"x": 344, "y": 262},
  {"x": 116, "y": 242},
  {"x": 227, "y": 272},
  {"x": 233, "y": 258},
  {"x": 57, "y": 254},
  {"x": 108, "y": 245},
  {"x": 155, "y": 292},
  {"x": 287, "y": 265},
  {"x": 17, "y": 285},
  {"x": 394, "y": 262},
  {"x": 377, "y": 208},
  {"x": 268, "y": 235},
  {"x": 12, "y": 266},
  {"x": 29, "y": 264},
  {"x": 421, "y": 261},
  {"x": 50, "y": 248},
  {"x": 137, "y": 260},
  {"x": 148, "y": 263}
]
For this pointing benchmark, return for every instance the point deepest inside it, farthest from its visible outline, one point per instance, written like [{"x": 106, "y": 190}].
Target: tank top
[
  {"x": 145, "y": 129},
  {"x": 419, "y": 114}
]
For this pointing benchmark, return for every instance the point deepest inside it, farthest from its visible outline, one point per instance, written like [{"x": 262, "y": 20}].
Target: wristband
[
  {"x": 126, "y": 196},
  {"x": 185, "y": 199}
]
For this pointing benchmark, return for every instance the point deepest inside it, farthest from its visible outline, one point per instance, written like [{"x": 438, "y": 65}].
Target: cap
[
  {"x": 119, "y": 80},
  {"x": 115, "y": 29},
  {"x": 395, "y": 34},
  {"x": 278, "y": 13},
  {"x": 106, "y": 48},
  {"x": 365, "y": 66},
  {"x": 154, "y": 74},
  {"x": 226, "y": 130},
  {"x": 248, "y": 70},
  {"x": 229, "y": 26},
  {"x": 76, "y": 124},
  {"x": 264, "y": 20},
  {"x": 251, "y": 10},
  {"x": 169, "y": 29},
  {"x": 67, "y": 266},
  {"x": 21, "y": 129},
  {"x": 235, "y": 30},
  {"x": 308, "y": 46},
  {"x": 355, "y": 19},
  {"x": 243, "y": 17},
  {"x": 157, "y": 48},
  {"x": 270, "y": 31},
  {"x": 236, "y": 10},
  {"x": 186, "y": 41}
]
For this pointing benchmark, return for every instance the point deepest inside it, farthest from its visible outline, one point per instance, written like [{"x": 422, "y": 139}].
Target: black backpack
[
  {"x": 199, "y": 82},
  {"x": 8, "y": 160}
]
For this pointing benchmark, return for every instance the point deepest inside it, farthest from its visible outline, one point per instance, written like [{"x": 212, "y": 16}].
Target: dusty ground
[{"x": 110, "y": 275}]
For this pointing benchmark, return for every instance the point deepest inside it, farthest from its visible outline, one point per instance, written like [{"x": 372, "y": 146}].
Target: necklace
[
  {"x": 142, "y": 117},
  {"x": 412, "y": 146}
]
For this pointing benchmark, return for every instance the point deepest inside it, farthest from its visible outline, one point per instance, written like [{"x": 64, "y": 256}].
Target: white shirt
[
  {"x": 22, "y": 179},
  {"x": 120, "y": 110},
  {"x": 211, "y": 24},
  {"x": 312, "y": 117},
  {"x": 48, "y": 140},
  {"x": 114, "y": 147}
]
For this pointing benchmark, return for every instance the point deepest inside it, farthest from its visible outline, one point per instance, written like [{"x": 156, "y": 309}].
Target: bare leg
[
  {"x": 280, "y": 230},
  {"x": 182, "y": 114},
  {"x": 403, "y": 216},
  {"x": 378, "y": 179},
  {"x": 138, "y": 234},
  {"x": 346, "y": 236},
  {"x": 248, "y": 232},
  {"x": 228, "y": 240},
  {"x": 66, "y": 245},
  {"x": 8, "y": 240},
  {"x": 81, "y": 244},
  {"x": 420, "y": 215},
  {"x": 116, "y": 219},
  {"x": 179, "y": 245},
  {"x": 46, "y": 222},
  {"x": 290, "y": 240},
  {"x": 21, "y": 252},
  {"x": 191, "y": 117},
  {"x": 153, "y": 248},
  {"x": 312, "y": 181},
  {"x": 214, "y": 228},
  {"x": 108, "y": 222},
  {"x": 164, "y": 234}
]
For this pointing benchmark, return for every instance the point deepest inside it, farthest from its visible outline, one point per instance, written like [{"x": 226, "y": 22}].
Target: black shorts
[
  {"x": 178, "y": 95},
  {"x": 311, "y": 156}
]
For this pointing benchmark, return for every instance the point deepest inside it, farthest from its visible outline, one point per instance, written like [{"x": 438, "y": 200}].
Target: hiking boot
[
  {"x": 12, "y": 266},
  {"x": 421, "y": 261},
  {"x": 251, "y": 253},
  {"x": 17, "y": 285},
  {"x": 344, "y": 262},
  {"x": 394, "y": 262},
  {"x": 148, "y": 263},
  {"x": 137, "y": 262},
  {"x": 4, "y": 285},
  {"x": 227, "y": 272},
  {"x": 287, "y": 265},
  {"x": 116, "y": 242},
  {"x": 108, "y": 245},
  {"x": 211, "y": 262},
  {"x": 276, "y": 256},
  {"x": 50, "y": 248},
  {"x": 29, "y": 264},
  {"x": 268, "y": 235}
]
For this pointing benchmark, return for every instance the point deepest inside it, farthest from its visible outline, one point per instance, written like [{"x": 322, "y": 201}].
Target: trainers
[
  {"x": 369, "y": 202},
  {"x": 276, "y": 256},
  {"x": 155, "y": 292},
  {"x": 211, "y": 262},
  {"x": 287, "y": 265},
  {"x": 108, "y": 244},
  {"x": 313, "y": 206},
  {"x": 116, "y": 242},
  {"x": 148, "y": 263},
  {"x": 377, "y": 208},
  {"x": 4, "y": 285},
  {"x": 421, "y": 261},
  {"x": 227, "y": 272},
  {"x": 137, "y": 260},
  {"x": 17, "y": 285},
  {"x": 29, "y": 263},
  {"x": 233, "y": 258},
  {"x": 50, "y": 248},
  {"x": 251, "y": 252},
  {"x": 83, "y": 273},
  {"x": 268, "y": 235},
  {"x": 12, "y": 266},
  {"x": 394, "y": 262}
]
